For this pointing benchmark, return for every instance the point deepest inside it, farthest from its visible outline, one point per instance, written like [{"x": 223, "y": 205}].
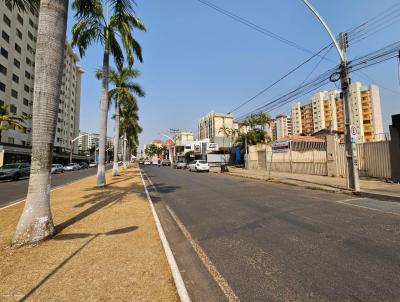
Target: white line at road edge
[
  {"x": 176, "y": 274},
  {"x": 56, "y": 188},
  {"x": 219, "y": 279}
]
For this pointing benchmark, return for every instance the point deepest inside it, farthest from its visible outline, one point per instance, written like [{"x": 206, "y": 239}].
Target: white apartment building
[
  {"x": 17, "y": 61},
  {"x": 87, "y": 140},
  {"x": 282, "y": 127},
  {"x": 326, "y": 111}
]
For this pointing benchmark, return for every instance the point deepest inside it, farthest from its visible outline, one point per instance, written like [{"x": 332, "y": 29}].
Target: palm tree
[
  {"x": 36, "y": 222},
  {"x": 129, "y": 125},
  {"x": 8, "y": 120},
  {"x": 24, "y": 5},
  {"x": 96, "y": 24},
  {"x": 124, "y": 92},
  {"x": 226, "y": 132}
]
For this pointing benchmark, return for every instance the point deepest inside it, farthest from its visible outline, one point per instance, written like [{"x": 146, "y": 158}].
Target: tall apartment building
[
  {"x": 209, "y": 127},
  {"x": 282, "y": 127},
  {"x": 17, "y": 63},
  {"x": 326, "y": 111},
  {"x": 87, "y": 140}
]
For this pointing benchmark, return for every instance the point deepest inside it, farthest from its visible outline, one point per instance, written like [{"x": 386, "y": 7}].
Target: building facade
[
  {"x": 326, "y": 111},
  {"x": 282, "y": 127},
  {"x": 210, "y": 127},
  {"x": 17, "y": 63}
]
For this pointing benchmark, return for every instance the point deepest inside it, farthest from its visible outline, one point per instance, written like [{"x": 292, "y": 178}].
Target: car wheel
[{"x": 16, "y": 176}]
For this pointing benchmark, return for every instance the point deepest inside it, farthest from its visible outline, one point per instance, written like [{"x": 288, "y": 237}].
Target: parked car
[
  {"x": 147, "y": 162},
  {"x": 181, "y": 165},
  {"x": 93, "y": 165},
  {"x": 141, "y": 162},
  {"x": 199, "y": 166},
  {"x": 57, "y": 168},
  {"x": 155, "y": 162},
  {"x": 72, "y": 167},
  {"x": 166, "y": 162},
  {"x": 84, "y": 165},
  {"x": 14, "y": 171}
]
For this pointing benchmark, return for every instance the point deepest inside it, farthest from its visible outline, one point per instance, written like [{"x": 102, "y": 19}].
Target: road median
[{"x": 106, "y": 248}]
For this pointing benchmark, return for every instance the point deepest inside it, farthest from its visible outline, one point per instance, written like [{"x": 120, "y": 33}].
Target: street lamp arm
[
  {"x": 315, "y": 12},
  {"x": 167, "y": 136}
]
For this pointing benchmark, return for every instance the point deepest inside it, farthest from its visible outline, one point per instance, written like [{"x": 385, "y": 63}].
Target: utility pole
[{"x": 353, "y": 181}]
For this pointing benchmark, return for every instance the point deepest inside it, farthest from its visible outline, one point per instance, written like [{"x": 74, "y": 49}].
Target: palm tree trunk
[
  {"x": 115, "y": 171},
  {"x": 125, "y": 149},
  {"x": 101, "y": 178},
  {"x": 36, "y": 222}
]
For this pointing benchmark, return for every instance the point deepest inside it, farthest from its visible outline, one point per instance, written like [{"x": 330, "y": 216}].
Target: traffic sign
[{"x": 354, "y": 134}]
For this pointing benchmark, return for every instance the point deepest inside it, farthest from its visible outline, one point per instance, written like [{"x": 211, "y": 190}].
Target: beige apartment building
[
  {"x": 282, "y": 127},
  {"x": 209, "y": 128},
  {"x": 326, "y": 111},
  {"x": 18, "y": 32}
]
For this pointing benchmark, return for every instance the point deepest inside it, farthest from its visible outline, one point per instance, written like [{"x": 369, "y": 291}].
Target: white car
[
  {"x": 147, "y": 162},
  {"x": 155, "y": 162},
  {"x": 92, "y": 165},
  {"x": 199, "y": 166},
  {"x": 181, "y": 165},
  {"x": 57, "y": 168},
  {"x": 72, "y": 167}
]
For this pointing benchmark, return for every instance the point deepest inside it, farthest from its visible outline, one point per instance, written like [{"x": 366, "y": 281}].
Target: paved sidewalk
[
  {"x": 369, "y": 187},
  {"x": 107, "y": 248}
]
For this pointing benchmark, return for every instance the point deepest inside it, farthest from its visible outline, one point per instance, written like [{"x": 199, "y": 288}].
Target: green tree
[
  {"x": 24, "y": 5},
  {"x": 130, "y": 128},
  {"x": 9, "y": 120},
  {"x": 112, "y": 26},
  {"x": 36, "y": 222},
  {"x": 123, "y": 94}
]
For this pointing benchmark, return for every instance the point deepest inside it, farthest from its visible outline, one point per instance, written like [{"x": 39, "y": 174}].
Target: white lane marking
[
  {"x": 346, "y": 202},
  {"x": 219, "y": 279},
  {"x": 176, "y": 274}
]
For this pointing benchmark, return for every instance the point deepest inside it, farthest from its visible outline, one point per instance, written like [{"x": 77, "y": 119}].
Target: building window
[
  {"x": 6, "y": 20},
  {"x": 15, "y": 78},
  {"x": 20, "y": 19},
  {"x": 26, "y": 88},
  {"x": 30, "y": 35},
  {"x": 4, "y": 53},
  {"x": 17, "y": 63},
  {"x": 5, "y": 36},
  {"x": 31, "y": 23},
  {"x": 26, "y": 102},
  {"x": 2, "y": 87},
  {"x": 18, "y": 48},
  {"x": 29, "y": 48},
  {"x": 13, "y": 109},
  {"x": 27, "y": 75},
  {"x": 19, "y": 33},
  {"x": 28, "y": 61},
  {"x": 10, "y": 140},
  {"x": 14, "y": 93},
  {"x": 1, "y": 103},
  {"x": 9, "y": 6},
  {"x": 3, "y": 70}
]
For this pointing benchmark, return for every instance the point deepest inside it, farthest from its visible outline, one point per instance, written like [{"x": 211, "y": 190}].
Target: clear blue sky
[{"x": 197, "y": 60}]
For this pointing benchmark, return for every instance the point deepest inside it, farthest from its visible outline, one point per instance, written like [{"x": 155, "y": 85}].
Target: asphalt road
[
  {"x": 272, "y": 242},
  {"x": 12, "y": 191}
]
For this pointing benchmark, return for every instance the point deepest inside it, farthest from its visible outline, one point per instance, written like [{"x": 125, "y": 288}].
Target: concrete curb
[
  {"x": 378, "y": 196},
  {"x": 176, "y": 274}
]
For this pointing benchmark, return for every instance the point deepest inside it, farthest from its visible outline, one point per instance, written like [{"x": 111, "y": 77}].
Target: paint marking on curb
[
  {"x": 348, "y": 202},
  {"x": 176, "y": 274},
  {"x": 219, "y": 279}
]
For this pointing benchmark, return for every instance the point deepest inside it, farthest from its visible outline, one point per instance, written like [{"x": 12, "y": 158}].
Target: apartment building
[
  {"x": 210, "y": 128},
  {"x": 326, "y": 111},
  {"x": 282, "y": 127},
  {"x": 17, "y": 63},
  {"x": 87, "y": 140}
]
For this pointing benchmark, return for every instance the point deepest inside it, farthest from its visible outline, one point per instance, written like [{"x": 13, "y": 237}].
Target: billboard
[{"x": 280, "y": 147}]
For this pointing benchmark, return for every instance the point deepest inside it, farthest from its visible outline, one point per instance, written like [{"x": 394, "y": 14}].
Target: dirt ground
[{"x": 107, "y": 248}]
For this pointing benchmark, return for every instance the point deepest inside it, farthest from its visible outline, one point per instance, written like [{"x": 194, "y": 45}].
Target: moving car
[
  {"x": 181, "y": 165},
  {"x": 166, "y": 162},
  {"x": 83, "y": 165},
  {"x": 92, "y": 165},
  {"x": 147, "y": 162},
  {"x": 199, "y": 166},
  {"x": 72, "y": 167},
  {"x": 14, "y": 171},
  {"x": 57, "y": 168}
]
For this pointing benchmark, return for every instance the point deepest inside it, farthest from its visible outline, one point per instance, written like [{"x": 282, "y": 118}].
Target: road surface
[
  {"x": 256, "y": 241},
  {"x": 12, "y": 191}
]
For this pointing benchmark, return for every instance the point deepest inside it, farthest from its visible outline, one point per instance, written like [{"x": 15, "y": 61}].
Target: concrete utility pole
[{"x": 353, "y": 181}]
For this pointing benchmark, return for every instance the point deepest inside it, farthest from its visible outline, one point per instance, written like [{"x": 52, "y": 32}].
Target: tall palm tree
[
  {"x": 129, "y": 126},
  {"x": 123, "y": 93},
  {"x": 36, "y": 221},
  {"x": 8, "y": 120},
  {"x": 24, "y": 5},
  {"x": 107, "y": 25}
]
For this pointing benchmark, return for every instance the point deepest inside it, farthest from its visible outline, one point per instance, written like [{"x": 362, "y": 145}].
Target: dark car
[
  {"x": 14, "y": 171},
  {"x": 84, "y": 165},
  {"x": 165, "y": 162}
]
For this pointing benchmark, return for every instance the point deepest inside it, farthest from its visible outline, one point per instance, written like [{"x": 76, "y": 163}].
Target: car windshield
[
  {"x": 11, "y": 166},
  {"x": 202, "y": 161},
  {"x": 71, "y": 164},
  {"x": 54, "y": 165}
]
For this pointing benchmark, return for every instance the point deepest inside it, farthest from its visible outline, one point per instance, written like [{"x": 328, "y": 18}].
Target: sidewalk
[
  {"x": 369, "y": 187},
  {"x": 107, "y": 248}
]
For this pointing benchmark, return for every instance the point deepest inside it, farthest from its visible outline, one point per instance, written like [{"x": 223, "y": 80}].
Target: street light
[
  {"x": 353, "y": 181},
  {"x": 72, "y": 145},
  {"x": 170, "y": 149}
]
